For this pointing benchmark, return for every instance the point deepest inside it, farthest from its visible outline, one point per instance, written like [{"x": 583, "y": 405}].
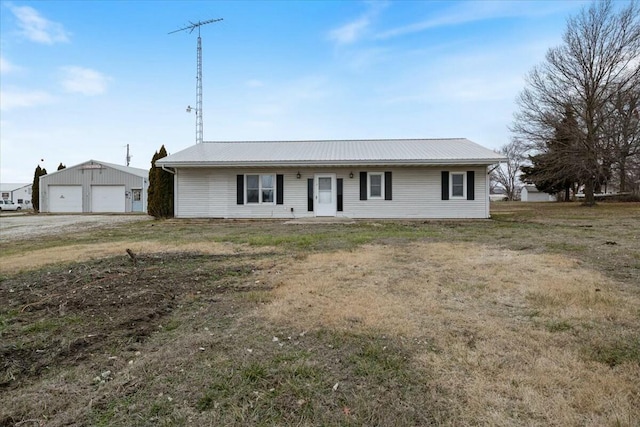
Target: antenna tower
[{"x": 192, "y": 26}]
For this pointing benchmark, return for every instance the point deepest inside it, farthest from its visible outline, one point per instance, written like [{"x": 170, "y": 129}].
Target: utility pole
[
  {"x": 128, "y": 156},
  {"x": 198, "y": 108}
]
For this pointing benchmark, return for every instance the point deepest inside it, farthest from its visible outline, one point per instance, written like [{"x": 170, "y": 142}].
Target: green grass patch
[
  {"x": 50, "y": 325},
  {"x": 614, "y": 350},
  {"x": 344, "y": 379},
  {"x": 558, "y": 326},
  {"x": 567, "y": 247}
]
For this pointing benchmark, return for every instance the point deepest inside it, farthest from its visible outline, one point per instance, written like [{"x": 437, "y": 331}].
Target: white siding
[
  {"x": 203, "y": 192},
  {"x": 534, "y": 196},
  {"x": 416, "y": 194},
  {"x": 295, "y": 196}
]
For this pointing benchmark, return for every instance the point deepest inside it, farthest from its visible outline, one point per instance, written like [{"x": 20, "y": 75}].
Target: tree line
[{"x": 578, "y": 120}]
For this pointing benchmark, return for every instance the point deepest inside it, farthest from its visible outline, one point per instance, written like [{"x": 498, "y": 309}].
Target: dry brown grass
[
  {"x": 480, "y": 315},
  {"x": 530, "y": 319}
]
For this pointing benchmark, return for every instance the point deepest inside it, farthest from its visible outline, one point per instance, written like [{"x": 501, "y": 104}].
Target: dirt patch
[
  {"x": 85, "y": 252},
  {"x": 55, "y": 319}
]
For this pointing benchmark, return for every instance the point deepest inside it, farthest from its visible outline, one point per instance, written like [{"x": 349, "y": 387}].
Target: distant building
[
  {"x": 18, "y": 193},
  {"x": 530, "y": 193},
  {"x": 497, "y": 194},
  {"x": 94, "y": 186}
]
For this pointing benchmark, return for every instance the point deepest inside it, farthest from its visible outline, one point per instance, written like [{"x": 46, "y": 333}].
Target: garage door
[
  {"x": 65, "y": 198},
  {"x": 107, "y": 198}
]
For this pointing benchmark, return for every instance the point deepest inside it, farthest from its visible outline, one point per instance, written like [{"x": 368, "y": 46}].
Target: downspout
[{"x": 175, "y": 188}]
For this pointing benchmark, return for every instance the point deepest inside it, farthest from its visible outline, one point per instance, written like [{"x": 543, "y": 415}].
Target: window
[
  {"x": 5, "y": 195},
  {"x": 457, "y": 184},
  {"x": 376, "y": 185},
  {"x": 266, "y": 184},
  {"x": 20, "y": 201},
  {"x": 260, "y": 188}
]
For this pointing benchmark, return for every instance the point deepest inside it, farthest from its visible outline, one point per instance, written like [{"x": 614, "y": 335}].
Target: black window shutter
[
  {"x": 445, "y": 185},
  {"x": 339, "y": 191},
  {"x": 387, "y": 185},
  {"x": 310, "y": 194},
  {"x": 363, "y": 186},
  {"x": 240, "y": 189},
  {"x": 470, "y": 185},
  {"x": 279, "y": 189}
]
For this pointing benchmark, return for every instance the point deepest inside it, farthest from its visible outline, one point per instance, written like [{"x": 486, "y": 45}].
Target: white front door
[{"x": 325, "y": 194}]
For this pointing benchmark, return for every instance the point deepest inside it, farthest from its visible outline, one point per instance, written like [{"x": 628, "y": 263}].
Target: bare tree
[
  {"x": 624, "y": 133},
  {"x": 597, "y": 60},
  {"x": 507, "y": 174}
]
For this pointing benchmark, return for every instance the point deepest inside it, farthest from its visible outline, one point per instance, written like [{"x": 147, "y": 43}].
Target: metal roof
[
  {"x": 333, "y": 153},
  {"x": 142, "y": 173},
  {"x": 12, "y": 186}
]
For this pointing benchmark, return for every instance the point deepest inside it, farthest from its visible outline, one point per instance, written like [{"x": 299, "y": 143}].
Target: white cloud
[
  {"x": 356, "y": 29},
  {"x": 37, "y": 28},
  {"x": 15, "y": 98},
  {"x": 84, "y": 80},
  {"x": 350, "y": 32},
  {"x": 7, "y": 67},
  {"x": 473, "y": 11}
]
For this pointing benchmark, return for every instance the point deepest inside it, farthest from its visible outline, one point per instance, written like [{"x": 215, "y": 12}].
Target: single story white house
[
  {"x": 530, "y": 193},
  {"x": 95, "y": 186},
  {"x": 404, "y": 178},
  {"x": 19, "y": 194}
]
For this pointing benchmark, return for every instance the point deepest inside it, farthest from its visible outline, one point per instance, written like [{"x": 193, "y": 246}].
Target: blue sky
[{"x": 80, "y": 80}]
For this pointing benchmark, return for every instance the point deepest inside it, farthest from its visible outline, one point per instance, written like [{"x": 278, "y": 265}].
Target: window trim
[
  {"x": 464, "y": 186},
  {"x": 382, "y": 179},
  {"x": 260, "y": 188}
]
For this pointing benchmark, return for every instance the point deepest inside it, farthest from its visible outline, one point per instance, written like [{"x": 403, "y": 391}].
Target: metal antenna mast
[{"x": 198, "y": 108}]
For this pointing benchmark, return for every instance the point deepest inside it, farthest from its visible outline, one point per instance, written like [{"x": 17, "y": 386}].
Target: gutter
[
  {"x": 168, "y": 169},
  {"x": 348, "y": 163}
]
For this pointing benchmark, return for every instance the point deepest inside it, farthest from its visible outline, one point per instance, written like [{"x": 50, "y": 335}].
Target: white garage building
[{"x": 94, "y": 187}]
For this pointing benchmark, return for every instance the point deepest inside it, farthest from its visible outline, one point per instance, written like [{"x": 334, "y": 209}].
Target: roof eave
[{"x": 331, "y": 163}]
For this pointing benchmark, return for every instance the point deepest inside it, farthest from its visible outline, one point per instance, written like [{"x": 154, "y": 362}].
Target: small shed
[
  {"x": 530, "y": 193},
  {"x": 95, "y": 187},
  {"x": 19, "y": 194}
]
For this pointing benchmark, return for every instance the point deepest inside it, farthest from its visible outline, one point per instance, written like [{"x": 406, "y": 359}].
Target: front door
[{"x": 325, "y": 190}]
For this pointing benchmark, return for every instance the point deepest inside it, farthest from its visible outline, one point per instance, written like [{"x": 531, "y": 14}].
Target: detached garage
[{"x": 94, "y": 187}]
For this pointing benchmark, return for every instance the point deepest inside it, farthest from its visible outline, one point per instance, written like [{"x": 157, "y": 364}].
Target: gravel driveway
[{"x": 25, "y": 226}]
